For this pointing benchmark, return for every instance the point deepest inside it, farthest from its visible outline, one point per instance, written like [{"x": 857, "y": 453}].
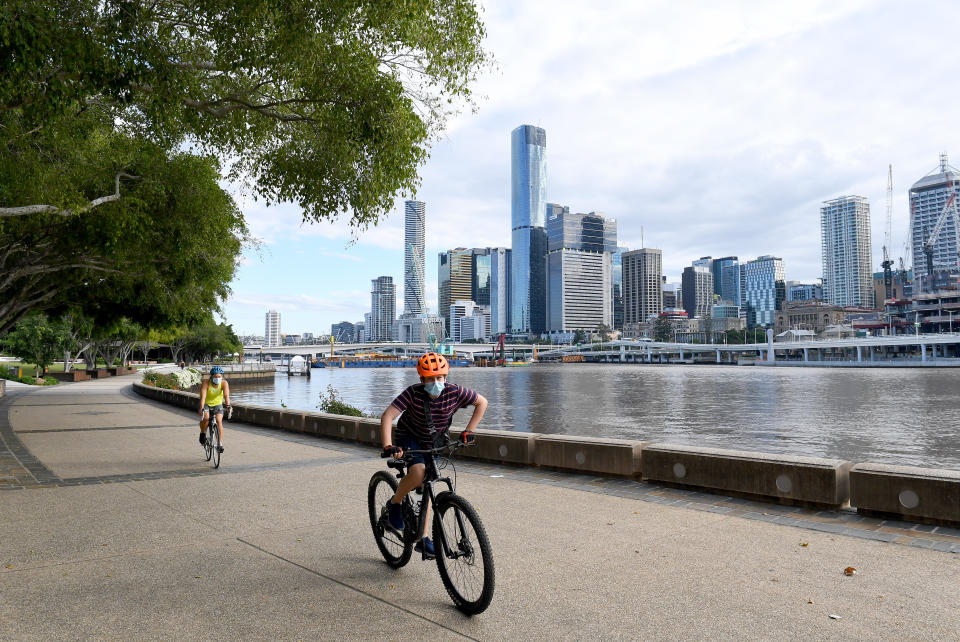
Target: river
[{"x": 898, "y": 416}]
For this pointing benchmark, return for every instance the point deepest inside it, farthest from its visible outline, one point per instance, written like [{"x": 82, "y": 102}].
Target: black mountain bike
[{"x": 463, "y": 553}]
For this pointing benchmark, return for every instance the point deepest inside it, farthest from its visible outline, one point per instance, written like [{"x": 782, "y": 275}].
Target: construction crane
[
  {"x": 433, "y": 327},
  {"x": 887, "y": 264},
  {"x": 928, "y": 245}
]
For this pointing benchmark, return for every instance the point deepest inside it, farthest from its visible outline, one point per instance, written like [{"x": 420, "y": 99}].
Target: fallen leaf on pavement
[
  {"x": 849, "y": 570},
  {"x": 834, "y": 617},
  {"x": 9, "y": 566},
  {"x": 809, "y": 601},
  {"x": 804, "y": 543}
]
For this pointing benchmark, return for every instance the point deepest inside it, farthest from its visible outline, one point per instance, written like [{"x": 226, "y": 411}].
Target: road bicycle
[
  {"x": 211, "y": 444},
  {"x": 463, "y": 553}
]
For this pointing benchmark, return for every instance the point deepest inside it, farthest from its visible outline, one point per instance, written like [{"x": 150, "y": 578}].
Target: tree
[
  {"x": 330, "y": 105},
  {"x": 209, "y": 339},
  {"x": 604, "y": 331},
  {"x": 662, "y": 329},
  {"x": 163, "y": 255},
  {"x": 36, "y": 340},
  {"x": 579, "y": 337}
]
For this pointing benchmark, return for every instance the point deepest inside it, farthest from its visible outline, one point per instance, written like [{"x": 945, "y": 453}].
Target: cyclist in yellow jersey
[{"x": 214, "y": 396}]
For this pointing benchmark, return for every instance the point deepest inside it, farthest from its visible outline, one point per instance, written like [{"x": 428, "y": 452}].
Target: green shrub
[
  {"x": 335, "y": 405},
  {"x": 49, "y": 381}
]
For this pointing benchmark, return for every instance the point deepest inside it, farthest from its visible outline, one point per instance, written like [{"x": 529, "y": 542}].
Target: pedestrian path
[{"x": 115, "y": 527}]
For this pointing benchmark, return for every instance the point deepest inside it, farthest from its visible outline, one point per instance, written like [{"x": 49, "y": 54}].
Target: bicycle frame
[{"x": 432, "y": 476}]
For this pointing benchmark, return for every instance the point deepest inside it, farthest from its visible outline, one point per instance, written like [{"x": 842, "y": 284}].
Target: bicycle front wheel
[
  {"x": 396, "y": 550},
  {"x": 466, "y": 562},
  {"x": 208, "y": 442},
  {"x": 216, "y": 444}
]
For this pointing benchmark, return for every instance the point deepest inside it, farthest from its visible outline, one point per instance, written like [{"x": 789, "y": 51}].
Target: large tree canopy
[
  {"x": 163, "y": 254},
  {"x": 331, "y": 105}
]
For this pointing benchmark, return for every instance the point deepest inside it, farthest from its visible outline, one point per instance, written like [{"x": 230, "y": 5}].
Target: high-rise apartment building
[
  {"x": 528, "y": 180},
  {"x": 271, "y": 331},
  {"x": 765, "y": 289},
  {"x": 804, "y": 291},
  {"x": 414, "y": 226},
  {"x": 928, "y": 198},
  {"x": 697, "y": 291},
  {"x": 846, "y": 251},
  {"x": 642, "y": 285},
  {"x": 383, "y": 303},
  {"x": 499, "y": 289},
  {"x": 579, "y": 269}
]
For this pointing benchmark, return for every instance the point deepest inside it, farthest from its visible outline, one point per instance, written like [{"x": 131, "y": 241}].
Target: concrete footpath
[{"x": 112, "y": 526}]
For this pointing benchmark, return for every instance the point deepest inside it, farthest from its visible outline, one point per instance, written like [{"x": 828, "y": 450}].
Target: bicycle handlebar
[{"x": 452, "y": 446}]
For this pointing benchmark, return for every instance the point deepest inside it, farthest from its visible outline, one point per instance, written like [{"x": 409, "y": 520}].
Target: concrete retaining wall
[
  {"x": 3, "y": 387},
  {"x": 609, "y": 456},
  {"x": 916, "y": 494},
  {"x": 782, "y": 478}
]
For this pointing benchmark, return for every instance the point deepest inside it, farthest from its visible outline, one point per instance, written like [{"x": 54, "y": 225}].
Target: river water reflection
[{"x": 897, "y": 416}]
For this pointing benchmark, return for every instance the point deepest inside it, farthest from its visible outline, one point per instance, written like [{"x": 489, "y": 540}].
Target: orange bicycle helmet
[{"x": 432, "y": 365}]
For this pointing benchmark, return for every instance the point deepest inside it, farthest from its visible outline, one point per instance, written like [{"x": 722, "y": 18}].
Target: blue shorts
[{"x": 410, "y": 443}]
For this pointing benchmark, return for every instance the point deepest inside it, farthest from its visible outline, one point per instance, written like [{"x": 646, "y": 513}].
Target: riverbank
[{"x": 280, "y": 533}]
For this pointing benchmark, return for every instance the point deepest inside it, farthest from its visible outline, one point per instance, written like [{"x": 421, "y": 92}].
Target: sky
[{"x": 703, "y": 128}]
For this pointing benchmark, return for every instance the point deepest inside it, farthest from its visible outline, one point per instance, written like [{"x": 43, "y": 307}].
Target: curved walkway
[{"x": 114, "y": 527}]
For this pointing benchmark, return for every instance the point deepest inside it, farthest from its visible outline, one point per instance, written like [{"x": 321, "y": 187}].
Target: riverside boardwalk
[{"x": 112, "y": 526}]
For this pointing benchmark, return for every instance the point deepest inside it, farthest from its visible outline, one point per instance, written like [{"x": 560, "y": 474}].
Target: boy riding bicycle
[
  {"x": 426, "y": 411},
  {"x": 214, "y": 396}
]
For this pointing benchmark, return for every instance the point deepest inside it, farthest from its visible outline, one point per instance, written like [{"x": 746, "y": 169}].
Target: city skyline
[{"x": 742, "y": 174}]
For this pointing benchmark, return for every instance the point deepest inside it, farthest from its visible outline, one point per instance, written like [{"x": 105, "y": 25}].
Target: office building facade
[
  {"x": 928, "y": 199},
  {"x": 616, "y": 262},
  {"x": 765, "y": 290},
  {"x": 579, "y": 269},
  {"x": 343, "y": 332},
  {"x": 846, "y": 251},
  {"x": 383, "y": 301},
  {"x": 642, "y": 285},
  {"x": 454, "y": 278},
  {"x": 414, "y": 227},
  {"x": 499, "y": 290},
  {"x": 480, "y": 276},
  {"x": 528, "y": 187},
  {"x": 804, "y": 291},
  {"x": 697, "y": 289},
  {"x": 725, "y": 282},
  {"x": 271, "y": 330}
]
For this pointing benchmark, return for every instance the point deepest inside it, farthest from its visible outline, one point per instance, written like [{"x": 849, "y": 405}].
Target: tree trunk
[{"x": 66, "y": 361}]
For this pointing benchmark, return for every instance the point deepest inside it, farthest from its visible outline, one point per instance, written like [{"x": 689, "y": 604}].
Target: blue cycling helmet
[{"x": 216, "y": 370}]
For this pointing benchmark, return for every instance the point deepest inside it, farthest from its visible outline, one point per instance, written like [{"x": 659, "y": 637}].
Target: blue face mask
[
  {"x": 216, "y": 380},
  {"x": 434, "y": 388}
]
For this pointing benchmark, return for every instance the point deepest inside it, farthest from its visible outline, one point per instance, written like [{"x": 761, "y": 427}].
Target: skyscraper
[
  {"x": 499, "y": 289},
  {"x": 730, "y": 290},
  {"x": 271, "y": 332},
  {"x": 383, "y": 303},
  {"x": 528, "y": 155},
  {"x": 480, "y": 276},
  {"x": 928, "y": 197},
  {"x": 579, "y": 269},
  {"x": 414, "y": 225},
  {"x": 454, "y": 278},
  {"x": 697, "y": 291},
  {"x": 765, "y": 290},
  {"x": 642, "y": 285},
  {"x": 716, "y": 269},
  {"x": 616, "y": 262},
  {"x": 846, "y": 251}
]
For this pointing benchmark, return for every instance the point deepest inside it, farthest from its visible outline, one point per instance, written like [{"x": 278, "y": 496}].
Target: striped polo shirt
[{"x": 413, "y": 423}]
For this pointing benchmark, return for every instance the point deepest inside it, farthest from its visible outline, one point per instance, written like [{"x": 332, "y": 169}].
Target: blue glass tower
[{"x": 528, "y": 156}]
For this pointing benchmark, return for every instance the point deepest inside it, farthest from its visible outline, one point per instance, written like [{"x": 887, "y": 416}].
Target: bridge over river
[{"x": 921, "y": 349}]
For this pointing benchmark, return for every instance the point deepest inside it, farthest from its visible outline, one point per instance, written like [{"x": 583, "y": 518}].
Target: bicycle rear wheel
[
  {"x": 467, "y": 567},
  {"x": 396, "y": 550},
  {"x": 216, "y": 443},
  {"x": 207, "y": 443}
]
